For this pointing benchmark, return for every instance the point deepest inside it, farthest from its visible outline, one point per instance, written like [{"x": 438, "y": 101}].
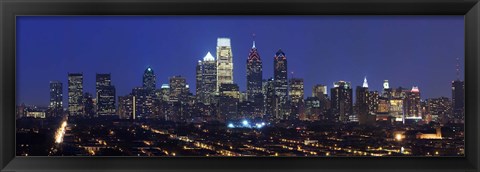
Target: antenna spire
[
  {"x": 458, "y": 68},
  {"x": 253, "y": 35}
]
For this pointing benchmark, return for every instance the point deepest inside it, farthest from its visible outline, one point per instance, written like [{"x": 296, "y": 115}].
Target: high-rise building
[
  {"x": 270, "y": 98},
  {"x": 199, "y": 82},
  {"x": 319, "y": 91},
  {"x": 143, "y": 102},
  {"x": 56, "y": 98},
  {"x": 296, "y": 93},
  {"x": 105, "y": 95},
  {"x": 228, "y": 102},
  {"x": 362, "y": 104},
  {"x": 149, "y": 79},
  {"x": 206, "y": 79},
  {"x": 342, "y": 103},
  {"x": 224, "y": 62},
  {"x": 373, "y": 97},
  {"x": 89, "y": 105},
  {"x": 254, "y": 76},
  {"x": 458, "y": 101},
  {"x": 387, "y": 91},
  {"x": 439, "y": 109},
  {"x": 281, "y": 85},
  {"x": 412, "y": 104},
  {"x": 75, "y": 93},
  {"x": 126, "y": 107},
  {"x": 178, "y": 89},
  {"x": 313, "y": 110},
  {"x": 165, "y": 92}
]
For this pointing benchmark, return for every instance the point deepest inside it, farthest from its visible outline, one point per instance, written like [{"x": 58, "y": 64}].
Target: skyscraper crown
[
  {"x": 223, "y": 42},
  {"x": 208, "y": 57},
  {"x": 365, "y": 83}
]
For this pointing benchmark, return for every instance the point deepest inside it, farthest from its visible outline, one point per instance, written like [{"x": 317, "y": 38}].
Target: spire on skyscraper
[
  {"x": 458, "y": 69},
  {"x": 253, "y": 46},
  {"x": 365, "y": 83}
]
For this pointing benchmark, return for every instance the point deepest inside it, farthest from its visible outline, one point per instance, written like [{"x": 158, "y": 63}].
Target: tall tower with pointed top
[
  {"x": 254, "y": 76},
  {"x": 362, "y": 103},
  {"x": 206, "y": 79},
  {"x": 224, "y": 62}
]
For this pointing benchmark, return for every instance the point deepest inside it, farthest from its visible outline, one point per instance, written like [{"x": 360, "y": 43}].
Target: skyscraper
[
  {"x": 439, "y": 109},
  {"x": 224, "y": 62},
  {"x": 387, "y": 91},
  {"x": 296, "y": 93},
  {"x": 319, "y": 91},
  {"x": 198, "y": 81},
  {"x": 362, "y": 104},
  {"x": 178, "y": 89},
  {"x": 206, "y": 79},
  {"x": 56, "y": 98},
  {"x": 254, "y": 76},
  {"x": 105, "y": 95},
  {"x": 342, "y": 107},
  {"x": 281, "y": 84},
  {"x": 89, "y": 105},
  {"x": 458, "y": 101},
  {"x": 126, "y": 107},
  {"x": 270, "y": 98},
  {"x": 75, "y": 93},
  {"x": 149, "y": 79},
  {"x": 412, "y": 104}
]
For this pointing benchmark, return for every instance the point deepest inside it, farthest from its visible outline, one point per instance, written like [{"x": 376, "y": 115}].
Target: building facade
[
  {"x": 224, "y": 62},
  {"x": 56, "y": 98},
  {"x": 342, "y": 103},
  {"x": 280, "y": 75},
  {"x": 75, "y": 93}
]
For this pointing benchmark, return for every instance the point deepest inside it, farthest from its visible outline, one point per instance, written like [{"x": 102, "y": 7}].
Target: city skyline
[{"x": 127, "y": 79}]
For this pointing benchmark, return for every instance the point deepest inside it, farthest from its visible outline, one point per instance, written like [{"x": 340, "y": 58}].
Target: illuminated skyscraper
[
  {"x": 458, "y": 101},
  {"x": 143, "y": 102},
  {"x": 56, "y": 98},
  {"x": 342, "y": 103},
  {"x": 206, "y": 79},
  {"x": 387, "y": 91},
  {"x": 362, "y": 104},
  {"x": 126, "y": 107},
  {"x": 313, "y": 110},
  {"x": 281, "y": 84},
  {"x": 296, "y": 93},
  {"x": 439, "y": 109},
  {"x": 178, "y": 89},
  {"x": 270, "y": 98},
  {"x": 319, "y": 91},
  {"x": 254, "y": 76},
  {"x": 198, "y": 81},
  {"x": 149, "y": 79},
  {"x": 412, "y": 104},
  {"x": 165, "y": 92},
  {"x": 75, "y": 93},
  {"x": 224, "y": 62},
  {"x": 105, "y": 95}
]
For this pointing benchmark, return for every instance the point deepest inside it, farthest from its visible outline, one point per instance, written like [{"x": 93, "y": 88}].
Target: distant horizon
[{"x": 406, "y": 50}]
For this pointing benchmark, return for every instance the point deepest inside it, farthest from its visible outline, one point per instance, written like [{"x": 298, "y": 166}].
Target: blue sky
[{"x": 407, "y": 50}]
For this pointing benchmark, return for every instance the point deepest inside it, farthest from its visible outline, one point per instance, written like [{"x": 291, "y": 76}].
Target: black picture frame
[{"x": 9, "y": 9}]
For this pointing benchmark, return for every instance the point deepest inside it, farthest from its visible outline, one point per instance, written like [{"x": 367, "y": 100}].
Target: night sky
[{"x": 406, "y": 50}]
